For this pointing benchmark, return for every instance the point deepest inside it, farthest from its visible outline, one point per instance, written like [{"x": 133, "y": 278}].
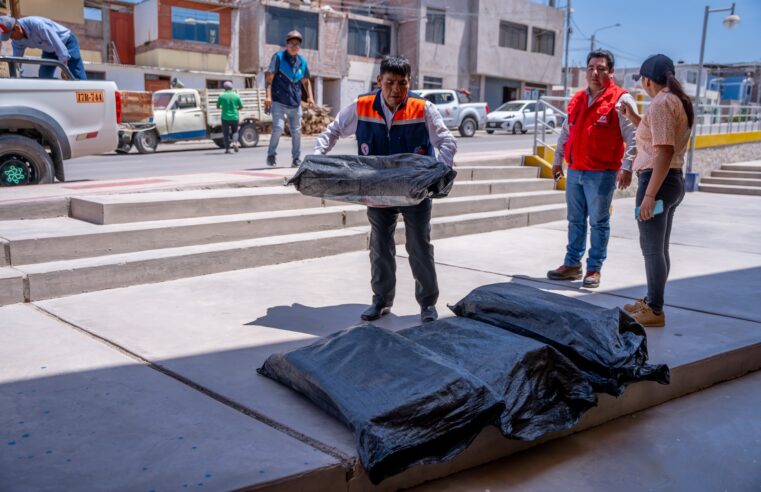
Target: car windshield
[
  {"x": 161, "y": 101},
  {"x": 510, "y": 106}
]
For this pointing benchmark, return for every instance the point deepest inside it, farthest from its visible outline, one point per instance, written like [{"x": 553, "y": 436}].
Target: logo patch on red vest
[{"x": 603, "y": 119}]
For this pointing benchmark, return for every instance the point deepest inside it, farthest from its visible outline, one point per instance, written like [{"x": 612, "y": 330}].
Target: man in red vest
[{"x": 594, "y": 141}]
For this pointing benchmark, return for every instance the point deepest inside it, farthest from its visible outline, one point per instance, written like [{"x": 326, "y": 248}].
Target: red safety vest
[{"x": 594, "y": 140}]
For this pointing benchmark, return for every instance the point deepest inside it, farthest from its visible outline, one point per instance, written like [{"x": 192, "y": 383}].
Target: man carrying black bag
[{"x": 386, "y": 122}]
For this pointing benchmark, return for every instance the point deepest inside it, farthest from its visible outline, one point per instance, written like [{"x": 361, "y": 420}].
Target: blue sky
[{"x": 671, "y": 27}]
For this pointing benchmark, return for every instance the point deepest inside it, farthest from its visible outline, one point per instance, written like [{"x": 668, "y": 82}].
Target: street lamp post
[
  {"x": 730, "y": 21},
  {"x": 592, "y": 44}
]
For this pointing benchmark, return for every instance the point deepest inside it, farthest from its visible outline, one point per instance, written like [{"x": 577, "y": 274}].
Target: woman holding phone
[{"x": 662, "y": 138}]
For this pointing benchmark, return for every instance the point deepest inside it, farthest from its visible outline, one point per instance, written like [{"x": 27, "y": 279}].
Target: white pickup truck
[
  {"x": 44, "y": 122},
  {"x": 189, "y": 114},
  {"x": 457, "y": 110}
]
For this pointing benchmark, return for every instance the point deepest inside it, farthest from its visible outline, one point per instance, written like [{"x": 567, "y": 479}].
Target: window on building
[
  {"x": 433, "y": 83},
  {"x": 195, "y": 25},
  {"x": 369, "y": 39},
  {"x": 93, "y": 14},
  {"x": 543, "y": 41},
  {"x": 435, "y": 25},
  {"x": 692, "y": 77},
  {"x": 513, "y": 35},
  {"x": 214, "y": 84},
  {"x": 279, "y": 22},
  {"x": 92, "y": 75}
]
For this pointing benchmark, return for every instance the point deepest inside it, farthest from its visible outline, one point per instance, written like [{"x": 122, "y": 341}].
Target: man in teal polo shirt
[{"x": 229, "y": 102}]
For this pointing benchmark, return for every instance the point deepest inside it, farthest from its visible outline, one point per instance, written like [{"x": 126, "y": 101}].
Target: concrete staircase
[
  {"x": 119, "y": 240},
  {"x": 736, "y": 179}
]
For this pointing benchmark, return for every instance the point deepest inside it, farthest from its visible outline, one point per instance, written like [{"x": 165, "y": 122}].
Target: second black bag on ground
[
  {"x": 607, "y": 344},
  {"x": 377, "y": 181},
  {"x": 542, "y": 390}
]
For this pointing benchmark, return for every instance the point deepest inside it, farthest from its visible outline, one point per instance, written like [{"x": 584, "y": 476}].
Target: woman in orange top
[{"x": 662, "y": 138}]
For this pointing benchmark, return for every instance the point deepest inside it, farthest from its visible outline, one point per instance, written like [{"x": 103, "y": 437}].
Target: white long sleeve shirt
[{"x": 345, "y": 125}]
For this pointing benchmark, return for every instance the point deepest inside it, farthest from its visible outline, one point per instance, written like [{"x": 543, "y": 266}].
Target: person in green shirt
[{"x": 230, "y": 103}]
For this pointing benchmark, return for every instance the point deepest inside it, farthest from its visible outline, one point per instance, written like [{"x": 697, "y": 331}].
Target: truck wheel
[
  {"x": 23, "y": 161},
  {"x": 248, "y": 136},
  {"x": 551, "y": 124},
  {"x": 146, "y": 142},
  {"x": 490, "y": 132},
  {"x": 468, "y": 127},
  {"x": 517, "y": 127},
  {"x": 219, "y": 142}
]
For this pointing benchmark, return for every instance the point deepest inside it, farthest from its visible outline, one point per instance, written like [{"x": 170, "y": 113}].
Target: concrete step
[
  {"x": 141, "y": 207},
  {"x": 61, "y": 278},
  {"x": 736, "y": 174},
  {"x": 68, "y": 277},
  {"x": 516, "y": 160},
  {"x": 11, "y": 286},
  {"x": 731, "y": 181},
  {"x": 730, "y": 189},
  {"x": 476, "y": 173},
  {"x": 65, "y": 238},
  {"x": 742, "y": 166}
]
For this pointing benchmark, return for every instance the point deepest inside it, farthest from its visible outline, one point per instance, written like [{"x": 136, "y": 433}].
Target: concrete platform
[
  {"x": 706, "y": 441},
  {"x": 214, "y": 331},
  {"x": 78, "y": 414}
]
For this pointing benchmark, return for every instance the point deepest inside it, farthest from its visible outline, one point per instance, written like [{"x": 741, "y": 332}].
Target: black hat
[{"x": 657, "y": 69}]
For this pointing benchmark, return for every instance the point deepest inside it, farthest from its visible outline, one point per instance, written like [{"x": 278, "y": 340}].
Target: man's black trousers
[
  {"x": 417, "y": 227},
  {"x": 229, "y": 132}
]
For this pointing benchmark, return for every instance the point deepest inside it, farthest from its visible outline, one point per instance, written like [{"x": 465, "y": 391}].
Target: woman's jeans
[{"x": 654, "y": 234}]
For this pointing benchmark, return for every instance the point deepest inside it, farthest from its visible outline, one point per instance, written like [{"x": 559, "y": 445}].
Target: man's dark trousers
[
  {"x": 229, "y": 132},
  {"x": 417, "y": 227}
]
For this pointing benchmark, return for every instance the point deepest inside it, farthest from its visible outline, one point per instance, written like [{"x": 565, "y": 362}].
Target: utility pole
[
  {"x": 567, "y": 45},
  {"x": 592, "y": 44}
]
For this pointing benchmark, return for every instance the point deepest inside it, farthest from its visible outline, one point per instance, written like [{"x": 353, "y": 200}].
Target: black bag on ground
[
  {"x": 377, "y": 181},
  {"x": 404, "y": 404},
  {"x": 542, "y": 390},
  {"x": 607, "y": 344}
]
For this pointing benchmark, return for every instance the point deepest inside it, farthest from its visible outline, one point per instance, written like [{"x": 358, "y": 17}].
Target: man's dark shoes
[
  {"x": 296, "y": 162},
  {"x": 428, "y": 314},
  {"x": 271, "y": 161},
  {"x": 375, "y": 311},
  {"x": 591, "y": 279},
  {"x": 565, "y": 273}
]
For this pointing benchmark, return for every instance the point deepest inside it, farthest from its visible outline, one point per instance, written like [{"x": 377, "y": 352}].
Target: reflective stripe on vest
[
  {"x": 407, "y": 134},
  {"x": 594, "y": 139}
]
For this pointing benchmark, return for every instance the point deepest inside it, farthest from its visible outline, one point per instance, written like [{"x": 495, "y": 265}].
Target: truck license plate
[{"x": 89, "y": 96}]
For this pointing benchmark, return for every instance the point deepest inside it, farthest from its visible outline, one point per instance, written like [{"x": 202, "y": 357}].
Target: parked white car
[
  {"x": 44, "y": 122},
  {"x": 457, "y": 110},
  {"x": 517, "y": 117}
]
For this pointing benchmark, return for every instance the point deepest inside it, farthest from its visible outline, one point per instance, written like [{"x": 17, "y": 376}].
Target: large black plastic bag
[
  {"x": 607, "y": 344},
  {"x": 377, "y": 181},
  {"x": 542, "y": 390},
  {"x": 405, "y": 404}
]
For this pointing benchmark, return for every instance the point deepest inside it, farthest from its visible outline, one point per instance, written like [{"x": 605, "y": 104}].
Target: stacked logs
[{"x": 313, "y": 120}]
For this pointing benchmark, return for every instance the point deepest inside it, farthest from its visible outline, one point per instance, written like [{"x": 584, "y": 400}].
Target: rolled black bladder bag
[
  {"x": 377, "y": 181},
  {"x": 607, "y": 344},
  {"x": 405, "y": 404},
  {"x": 542, "y": 390}
]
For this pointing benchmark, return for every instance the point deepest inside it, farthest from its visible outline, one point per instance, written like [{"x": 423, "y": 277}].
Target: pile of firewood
[{"x": 313, "y": 120}]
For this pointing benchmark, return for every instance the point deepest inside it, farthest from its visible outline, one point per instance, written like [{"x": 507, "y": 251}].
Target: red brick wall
[{"x": 165, "y": 22}]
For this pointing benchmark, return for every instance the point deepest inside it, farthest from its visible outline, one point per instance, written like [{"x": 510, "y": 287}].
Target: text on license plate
[{"x": 89, "y": 96}]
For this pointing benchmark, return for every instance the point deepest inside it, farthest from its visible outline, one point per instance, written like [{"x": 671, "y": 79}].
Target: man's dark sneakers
[
  {"x": 565, "y": 273},
  {"x": 375, "y": 311},
  {"x": 271, "y": 161},
  {"x": 591, "y": 279},
  {"x": 428, "y": 314},
  {"x": 296, "y": 162}
]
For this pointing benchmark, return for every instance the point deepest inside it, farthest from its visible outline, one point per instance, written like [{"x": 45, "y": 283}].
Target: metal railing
[{"x": 710, "y": 119}]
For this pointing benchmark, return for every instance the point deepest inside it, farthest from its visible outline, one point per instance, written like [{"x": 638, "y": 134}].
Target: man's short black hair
[
  {"x": 603, "y": 54},
  {"x": 395, "y": 64}
]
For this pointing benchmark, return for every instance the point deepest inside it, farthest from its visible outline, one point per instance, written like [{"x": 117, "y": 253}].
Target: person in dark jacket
[{"x": 393, "y": 121}]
